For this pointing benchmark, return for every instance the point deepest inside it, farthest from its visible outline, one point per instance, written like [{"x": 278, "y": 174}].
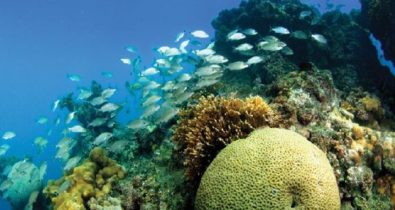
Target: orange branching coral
[{"x": 203, "y": 130}]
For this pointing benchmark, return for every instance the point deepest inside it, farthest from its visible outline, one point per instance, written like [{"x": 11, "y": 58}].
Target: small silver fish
[
  {"x": 204, "y": 52},
  {"x": 244, "y": 47},
  {"x": 287, "y": 51},
  {"x": 71, "y": 163},
  {"x": 152, "y": 85},
  {"x": 107, "y": 93},
  {"x": 138, "y": 124},
  {"x": 206, "y": 82},
  {"x": 55, "y": 105},
  {"x": 237, "y": 66},
  {"x": 236, "y": 36},
  {"x": 9, "y": 135},
  {"x": 208, "y": 70},
  {"x": 150, "y": 111},
  {"x": 98, "y": 101},
  {"x": 4, "y": 148},
  {"x": 271, "y": 46},
  {"x": 84, "y": 94},
  {"x": 319, "y": 38},
  {"x": 150, "y": 71},
  {"x": 280, "y": 30},
  {"x": 98, "y": 122},
  {"x": 109, "y": 107},
  {"x": 126, "y": 61},
  {"x": 200, "y": 34},
  {"x": 216, "y": 59},
  {"x": 74, "y": 77},
  {"x": 70, "y": 117},
  {"x": 167, "y": 112},
  {"x": 250, "y": 32},
  {"x": 169, "y": 85},
  {"x": 151, "y": 100},
  {"x": 299, "y": 35},
  {"x": 254, "y": 60},
  {"x": 42, "y": 120},
  {"x": 103, "y": 137},
  {"x": 183, "y": 46},
  {"x": 131, "y": 49},
  {"x": 179, "y": 36},
  {"x": 77, "y": 129},
  {"x": 184, "y": 77},
  {"x": 40, "y": 142}
]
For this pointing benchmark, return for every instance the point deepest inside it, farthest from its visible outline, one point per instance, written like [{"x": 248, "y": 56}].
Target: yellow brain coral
[
  {"x": 203, "y": 130},
  {"x": 271, "y": 169},
  {"x": 92, "y": 179}
]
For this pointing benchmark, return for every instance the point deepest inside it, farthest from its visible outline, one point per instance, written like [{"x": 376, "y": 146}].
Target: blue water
[{"x": 42, "y": 41}]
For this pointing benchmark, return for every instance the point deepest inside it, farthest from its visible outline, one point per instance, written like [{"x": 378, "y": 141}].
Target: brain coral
[
  {"x": 213, "y": 123},
  {"x": 271, "y": 169}
]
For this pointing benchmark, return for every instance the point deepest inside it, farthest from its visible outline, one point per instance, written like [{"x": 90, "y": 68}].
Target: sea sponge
[
  {"x": 270, "y": 169},
  {"x": 92, "y": 179},
  {"x": 203, "y": 130}
]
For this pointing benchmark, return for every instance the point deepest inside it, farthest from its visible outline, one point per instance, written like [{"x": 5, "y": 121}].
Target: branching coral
[
  {"x": 92, "y": 179},
  {"x": 214, "y": 122}
]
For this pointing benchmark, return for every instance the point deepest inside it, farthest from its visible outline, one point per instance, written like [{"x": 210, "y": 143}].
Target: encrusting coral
[
  {"x": 271, "y": 169},
  {"x": 203, "y": 130},
  {"x": 92, "y": 179}
]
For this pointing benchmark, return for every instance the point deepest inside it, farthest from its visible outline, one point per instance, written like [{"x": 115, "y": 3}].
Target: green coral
[{"x": 271, "y": 169}]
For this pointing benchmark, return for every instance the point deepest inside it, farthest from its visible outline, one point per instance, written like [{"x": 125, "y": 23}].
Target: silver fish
[
  {"x": 74, "y": 77},
  {"x": 319, "y": 38},
  {"x": 9, "y": 135},
  {"x": 238, "y": 65},
  {"x": 244, "y": 47},
  {"x": 138, "y": 124},
  {"x": 107, "y": 93},
  {"x": 280, "y": 30},
  {"x": 77, "y": 129},
  {"x": 254, "y": 60},
  {"x": 150, "y": 71},
  {"x": 271, "y": 46},
  {"x": 150, "y": 110},
  {"x": 235, "y": 36},
  {"x": 84, "y": 94},
  {"x": 200, "y": 34},
  {"x": 72, "y": 163},
  {"x": 98, "y": 122},
  {"x": 103, "y": 137},
  {"x": 184, "y": 77},
  {"x": 98, "y": 101},
  {"x": 299, "y": 35},
  {"x": 216, "y": 59},
  {"x": 109, "y": 107},
  {"x": 250, "y": 32},
  {"x": 70, "y": 117},
  {"x": 151, "y": 100}
]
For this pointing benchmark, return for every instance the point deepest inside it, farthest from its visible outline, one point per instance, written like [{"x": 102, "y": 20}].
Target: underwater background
[{"x": 315, "y": 68}]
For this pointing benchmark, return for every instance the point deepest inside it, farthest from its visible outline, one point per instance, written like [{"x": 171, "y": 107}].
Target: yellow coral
[
  {"x": 371, "y": 104},
  {"x": 214, "y": 122},
  {"x": 92, "y": 179},
  {"x": 271, "y": 169}
]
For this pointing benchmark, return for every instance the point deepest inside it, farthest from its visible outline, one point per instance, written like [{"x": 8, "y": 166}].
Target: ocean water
[{"x": 43, "y": 43}]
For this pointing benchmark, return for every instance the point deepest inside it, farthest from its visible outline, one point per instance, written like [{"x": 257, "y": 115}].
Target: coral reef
[
  {"x": 23, "y": 182},
  {"x": 154, "y": 181},
  {"x": 348, "y": 54},
  {"x": 270, "y": 169},
  {"x": 93, "y": 179},
  {"x": 206, "y": 128}
]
